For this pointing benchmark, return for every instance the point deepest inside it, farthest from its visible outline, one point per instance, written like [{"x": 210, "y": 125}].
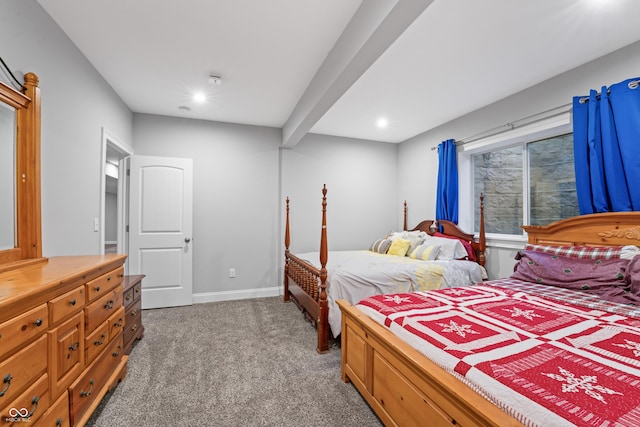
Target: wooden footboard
[
  {"x": 403, "y": 387},
  {"x": 306, "y": 284}
]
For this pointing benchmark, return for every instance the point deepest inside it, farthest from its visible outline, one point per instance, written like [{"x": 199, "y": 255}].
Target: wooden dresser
[
  {"x": 61, "y": 338},
  {"x": 133, "y": 329}
]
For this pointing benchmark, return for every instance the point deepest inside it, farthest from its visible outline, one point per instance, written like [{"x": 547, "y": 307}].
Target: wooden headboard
[
  {"x": 451, "y": 229},
  {"x": 601, "y": 229}
]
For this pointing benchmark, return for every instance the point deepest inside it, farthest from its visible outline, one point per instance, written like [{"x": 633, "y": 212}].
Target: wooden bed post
[
  {"x": 287, "y": 241},
  {"x": 405, "y": 216},
  {"x": 323, "y": 313},
  {"x": 482, "y": 243}
]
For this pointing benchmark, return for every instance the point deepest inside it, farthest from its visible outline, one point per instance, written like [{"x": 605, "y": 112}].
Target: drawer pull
[
  {"x": 59, "y": 422},
  {"x": 38, "y": 322},
  {"x": 108, "y": 278},
  {"x": 74, "y": 346},
  {"x": 88, "y": 393},
  {"x": 99, "y": 342},
  {"x": 109, "y": 304},
  {"x": 137, "y": 290},
  {"x": 134, "y": 312},
  {"x": 128, "y": 297},
  {"x": 34, "y": 402},
  {"x": 117, "y": 353},
  {"x": 73, "y": 302},
  {"x": 118, "y": 324},
  {"x": 97, "y": 288},
  {"x": 134, "y": 327},
  {"x": 7, "y": 381}
]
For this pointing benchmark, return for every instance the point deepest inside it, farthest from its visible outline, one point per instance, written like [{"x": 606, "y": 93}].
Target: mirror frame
[{"x": 28, "y": 244}]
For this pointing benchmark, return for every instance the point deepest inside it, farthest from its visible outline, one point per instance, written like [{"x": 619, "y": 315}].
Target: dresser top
[{"x": 37, "y": 283}]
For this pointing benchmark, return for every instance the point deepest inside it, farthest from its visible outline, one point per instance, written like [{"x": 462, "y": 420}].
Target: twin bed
[{"x": 555, "y": 344}]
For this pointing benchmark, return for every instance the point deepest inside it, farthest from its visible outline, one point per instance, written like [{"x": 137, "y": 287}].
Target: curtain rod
[
  {"x": 632, "y": 85},
  {"x": 512, "y": 125}
]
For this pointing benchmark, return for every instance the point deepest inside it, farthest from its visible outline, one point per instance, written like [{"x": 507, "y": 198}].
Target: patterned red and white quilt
[{"x": 544, "y": 361}]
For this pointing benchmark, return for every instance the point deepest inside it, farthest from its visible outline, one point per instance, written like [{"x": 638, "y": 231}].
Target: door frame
[{"x": 109, "y": 140}]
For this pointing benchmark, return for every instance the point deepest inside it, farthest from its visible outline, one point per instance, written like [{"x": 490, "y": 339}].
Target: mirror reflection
[{"x": 7, "y": 176}]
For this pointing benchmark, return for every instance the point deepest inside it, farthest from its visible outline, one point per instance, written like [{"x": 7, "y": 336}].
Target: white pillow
[{"x": 449, "y": 248}]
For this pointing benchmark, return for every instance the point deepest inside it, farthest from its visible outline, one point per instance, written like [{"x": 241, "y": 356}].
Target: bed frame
[
  {"x": 306, "y": 285},
  {"x": 405, "y": 388}
]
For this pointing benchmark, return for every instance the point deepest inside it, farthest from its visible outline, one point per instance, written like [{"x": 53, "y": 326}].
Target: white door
[{"x": 160, "y": 229}]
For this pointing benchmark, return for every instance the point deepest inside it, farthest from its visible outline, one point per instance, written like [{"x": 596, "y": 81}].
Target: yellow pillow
[{"x": 399, "y": 247}]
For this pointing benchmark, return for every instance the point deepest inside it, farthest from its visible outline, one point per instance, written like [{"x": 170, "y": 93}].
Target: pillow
[
  {"x": 406, "y": 235},
  {"x": 595, "y": 276},
  {"x": 587, "y": 252},
  {"x": 399, "y": 247},
  {"x": 380, "y": 246},
  {"x": 449, "y": 248},
  {"x": 425, "y": 252},
  {"x": 414, "y": 243},
  {"x": 467, "y": 246}
]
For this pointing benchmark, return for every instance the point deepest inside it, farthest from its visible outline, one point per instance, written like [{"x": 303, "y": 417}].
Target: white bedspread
[{"x": 354, "y": 275}]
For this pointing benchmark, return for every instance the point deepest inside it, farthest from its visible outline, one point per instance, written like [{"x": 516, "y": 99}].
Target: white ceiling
[{"x": 444, "y": 59}]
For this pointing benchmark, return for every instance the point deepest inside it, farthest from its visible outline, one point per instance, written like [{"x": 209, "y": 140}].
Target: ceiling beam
[{"x": 373, "y": 28}]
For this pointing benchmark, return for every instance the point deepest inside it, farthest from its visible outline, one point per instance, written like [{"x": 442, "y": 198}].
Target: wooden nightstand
[{"x": 132, "y": 294}]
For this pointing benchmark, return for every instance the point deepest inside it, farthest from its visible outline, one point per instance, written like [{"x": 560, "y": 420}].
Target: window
[{"x": 530, "y": 182}]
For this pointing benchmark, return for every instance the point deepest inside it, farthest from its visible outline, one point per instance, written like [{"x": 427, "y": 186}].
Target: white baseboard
[{"x": 205, "y": 297}]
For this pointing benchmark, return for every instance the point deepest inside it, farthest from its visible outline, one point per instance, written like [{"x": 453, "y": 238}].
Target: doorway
[{"x": 114, "y": 196}]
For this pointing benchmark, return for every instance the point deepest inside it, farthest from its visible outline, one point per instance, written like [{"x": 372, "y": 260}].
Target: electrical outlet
[
  {"x": 232, "y": 272},
  {"x": 96, "y": 224}
]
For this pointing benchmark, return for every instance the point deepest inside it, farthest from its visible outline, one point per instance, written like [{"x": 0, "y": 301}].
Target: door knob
[{"x": 187, "y": 239}]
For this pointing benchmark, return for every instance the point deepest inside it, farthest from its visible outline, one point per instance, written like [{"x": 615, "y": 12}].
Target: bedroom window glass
[{"x": 527, "y": 183}]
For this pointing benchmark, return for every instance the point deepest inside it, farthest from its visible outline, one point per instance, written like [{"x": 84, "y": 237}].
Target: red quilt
[{"x": 545, "y": 362}]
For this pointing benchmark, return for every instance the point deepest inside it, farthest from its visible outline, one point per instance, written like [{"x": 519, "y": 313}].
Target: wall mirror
[
  {"x": 20, "y": 212},
  {"x": 7, "y": 177}
]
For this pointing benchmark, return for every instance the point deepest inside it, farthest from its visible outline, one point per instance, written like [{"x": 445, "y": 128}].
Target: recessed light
[
  {"x": 199, "y": 97},
  {"x": 382, "y": 123},
  {"x": 184, "y": 109}
]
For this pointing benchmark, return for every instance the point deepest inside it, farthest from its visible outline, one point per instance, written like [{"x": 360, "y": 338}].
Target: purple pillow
[{"x": 606, "y": 278}]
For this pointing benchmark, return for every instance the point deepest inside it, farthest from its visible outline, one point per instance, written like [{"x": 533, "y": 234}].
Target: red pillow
[{"x": 470, "y": 252}]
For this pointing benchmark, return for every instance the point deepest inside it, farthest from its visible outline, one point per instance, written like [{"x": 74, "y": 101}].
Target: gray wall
[
  {"x": 362, "y": 200},
  {"x": 418, "y": 164},
  {"x": 76, "y": 104}
]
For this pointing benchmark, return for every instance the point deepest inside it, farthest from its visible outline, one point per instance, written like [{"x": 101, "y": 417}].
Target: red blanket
[{"x": 545, "y": 362}]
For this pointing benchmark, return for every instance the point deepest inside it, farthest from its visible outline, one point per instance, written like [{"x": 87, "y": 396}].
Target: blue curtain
[
  {"x": 447, "y": 190},
  {"x": 606, "y": 138}
]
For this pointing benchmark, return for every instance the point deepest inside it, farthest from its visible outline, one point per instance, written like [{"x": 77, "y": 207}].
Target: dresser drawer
[
  {"x": 66, "y": 353},
  {"x": 58, "y": 413},
  {"x": 96, "y": 342},
  {"x": 128, "y": 297},
  {"x": 91, "y": 383},
  {"x": 101, "y": 285},
  {"x": 66, "y": 304},
  {"x": 20, "y": 329},
  {"x": 22, "y": 369},
  {"x": 101, "y": 309},
  {"x": 133, "y": 321},
  {"x": 116, "y": 323},
  {"x": 29, "y": 406}
]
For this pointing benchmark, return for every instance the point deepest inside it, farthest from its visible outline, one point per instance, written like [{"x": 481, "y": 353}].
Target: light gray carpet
[{"x": 239, "y": 363}]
